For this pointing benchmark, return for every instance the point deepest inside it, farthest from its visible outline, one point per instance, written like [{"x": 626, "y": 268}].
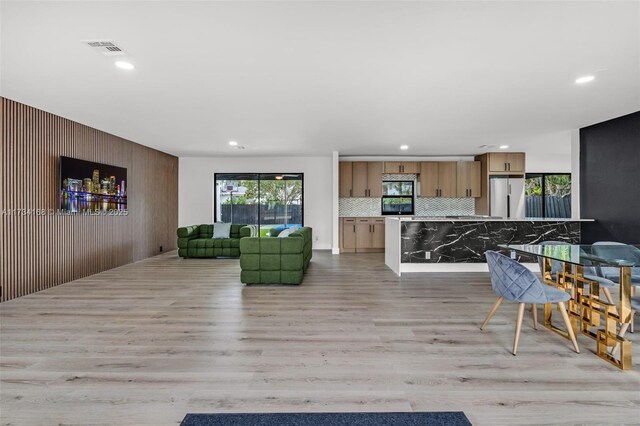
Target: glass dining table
[{"x": 605, "y": 321}]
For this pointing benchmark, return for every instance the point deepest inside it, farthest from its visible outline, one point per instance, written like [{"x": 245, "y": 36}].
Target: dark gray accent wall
[{"x": 610, "y": 180}]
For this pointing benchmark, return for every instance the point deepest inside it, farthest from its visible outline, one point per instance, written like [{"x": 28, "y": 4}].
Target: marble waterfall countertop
[{"x": 482, "y": 219}]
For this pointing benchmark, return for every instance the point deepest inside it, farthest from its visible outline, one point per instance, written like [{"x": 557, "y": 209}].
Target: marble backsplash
[{"x": 354, "y": 207}]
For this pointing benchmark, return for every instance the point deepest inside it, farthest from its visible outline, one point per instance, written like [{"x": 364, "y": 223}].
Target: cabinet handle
[
  {"x": 354, "y": 229},
  {"x": 505, "y": 167},
  {"x": 350, "y": 192},
  {"x": 509, "y": 166}
]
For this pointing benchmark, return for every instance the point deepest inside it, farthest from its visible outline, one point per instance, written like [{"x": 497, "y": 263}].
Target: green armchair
[
  {"x": 197, "y": 241},
  {"x": 274, "y": 260}
]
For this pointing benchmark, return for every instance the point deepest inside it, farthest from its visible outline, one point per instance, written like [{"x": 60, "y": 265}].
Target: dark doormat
[{"x": 453, "y": 418}]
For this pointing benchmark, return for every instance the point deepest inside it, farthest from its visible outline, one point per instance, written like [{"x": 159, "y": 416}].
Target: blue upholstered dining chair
[{"x": 512, "y": 281}]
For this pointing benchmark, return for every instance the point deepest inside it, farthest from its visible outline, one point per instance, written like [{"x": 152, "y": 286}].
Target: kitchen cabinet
[
  {"x": 361, "y": 179},
  {"x": 401, "y": 167},
  {"x": 506, "y": 162},
  {"x": 374, "y": 178},
  {"x": 438, "y": 179},
  {"x": 469, "y": 179},
  {"x": 346, "y": 179},
  {"x": 362, "y": 234},
  {"x": 377, "y": 233},
  {"x": 348, "y": 237}
]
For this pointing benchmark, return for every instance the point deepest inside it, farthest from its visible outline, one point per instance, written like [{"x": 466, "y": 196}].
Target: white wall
[
  {"x": 548, "y": 153},
  {"x": 195, "y": 188}
]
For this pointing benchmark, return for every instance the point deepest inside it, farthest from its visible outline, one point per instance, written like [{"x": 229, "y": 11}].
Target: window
[
  {"x": 397, "y": 197},
  {"x": 548, "y": 195},
  {"x": 269, "y": 200}
]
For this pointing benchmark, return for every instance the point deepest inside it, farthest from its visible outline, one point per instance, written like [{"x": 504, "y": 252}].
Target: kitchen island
[{"x": 441, "y": 244}]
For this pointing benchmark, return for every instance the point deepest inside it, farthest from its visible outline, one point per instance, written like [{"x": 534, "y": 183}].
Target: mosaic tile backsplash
[{"x": 354, "y": 207}]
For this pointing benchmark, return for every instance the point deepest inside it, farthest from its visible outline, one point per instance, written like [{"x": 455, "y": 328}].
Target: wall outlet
[
  {"x": 427, "y": 255},
  {"x": 513, "y": 254}
]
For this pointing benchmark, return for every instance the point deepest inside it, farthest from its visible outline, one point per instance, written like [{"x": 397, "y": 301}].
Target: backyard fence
[
  {"x": 270, "y": 214},
  {"x": 554, "y": 206}
]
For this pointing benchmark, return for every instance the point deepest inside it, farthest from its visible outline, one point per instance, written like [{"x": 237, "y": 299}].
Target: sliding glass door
[
  {"x": 548, "y": 195},
  {"x": 273, "y": 201}
]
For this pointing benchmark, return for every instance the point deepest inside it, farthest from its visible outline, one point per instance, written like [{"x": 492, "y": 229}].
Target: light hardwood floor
[{"x": 149, "y": 342}]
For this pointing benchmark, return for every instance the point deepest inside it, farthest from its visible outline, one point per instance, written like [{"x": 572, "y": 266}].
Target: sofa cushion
[
  {"x": 221, "y": 230},
  {"x": 285, "y": 233}
]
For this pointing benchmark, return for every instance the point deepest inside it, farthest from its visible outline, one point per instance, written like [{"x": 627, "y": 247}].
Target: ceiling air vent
[{"x": 106, "y": 47}]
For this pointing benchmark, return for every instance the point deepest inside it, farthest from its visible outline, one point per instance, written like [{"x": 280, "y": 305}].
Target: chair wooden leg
[
  {"x": 567, "y": 323},
  {"x": 518, "y": 327},
  {"x": 534, "y": 309},
  {"x": 607, "y": 295},
  {"x": 492, "y": 311},
  {"x": 623, "y": 331}
]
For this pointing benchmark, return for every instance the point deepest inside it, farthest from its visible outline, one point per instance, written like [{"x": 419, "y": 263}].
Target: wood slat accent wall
[{"x": 41, "y": 251}]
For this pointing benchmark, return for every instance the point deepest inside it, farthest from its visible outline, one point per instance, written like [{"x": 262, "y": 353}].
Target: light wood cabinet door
[
  {"x": 392, "y": 167},
  {"x": 409, "y": 167},
  {"x": 507, "y": 162},
  {"x": 469, "y": 179},
  {"x": 374, "y": 179},
  {"x": 498, "y": 162},
  {"x": 346, "y": 179},
  {"x": 429, "y": 179},
  {"x": 515, "y": 162},
  {"x": 377, "y": 235},
  {"x": 349, "y": 233},
  {"x": 448, "y": 178},
  {"x": 475, "y": 179},
  {"x": 360, "y": 175},
  {"x": 363, "y": 234}
]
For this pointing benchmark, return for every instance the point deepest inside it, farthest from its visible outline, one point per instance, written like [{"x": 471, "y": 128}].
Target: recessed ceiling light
[
  {"x": 404, "y": 147},
  {"x": 585, "y": 79},
  {"x": 504, "y": 146},
  {"x": 233, "y": 143},
  {"x": 124, "y": 65}
]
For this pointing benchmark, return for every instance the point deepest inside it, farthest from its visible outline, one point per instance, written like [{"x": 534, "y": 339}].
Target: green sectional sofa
[
  {"x": 274, "y": 260},
  {"x": 197, "y": 241}
]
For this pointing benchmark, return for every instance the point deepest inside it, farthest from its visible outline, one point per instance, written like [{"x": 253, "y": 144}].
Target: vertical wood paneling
[{"x": 41, "y": 251}]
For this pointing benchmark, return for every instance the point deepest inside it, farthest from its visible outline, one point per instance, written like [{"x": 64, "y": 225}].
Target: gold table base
[{"x": 588, "y": 311}]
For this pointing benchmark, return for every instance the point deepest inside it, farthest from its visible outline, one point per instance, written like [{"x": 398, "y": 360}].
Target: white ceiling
[{"x": 308, "y": 78}]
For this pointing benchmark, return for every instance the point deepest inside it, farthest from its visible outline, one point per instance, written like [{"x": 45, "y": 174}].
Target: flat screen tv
[{"x": 86, "y": 186}]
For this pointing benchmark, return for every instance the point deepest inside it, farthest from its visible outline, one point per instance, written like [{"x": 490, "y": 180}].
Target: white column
[
  {"x": 575, "y": 174},
  {"x": 335, "y": 246}
]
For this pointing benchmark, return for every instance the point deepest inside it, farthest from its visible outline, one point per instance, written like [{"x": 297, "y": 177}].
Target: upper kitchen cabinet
[
  {"x": 374, "y": 178},
  {"x": 361, "y": 179},
  {"x": 346, "y": 179},
  {"x": 506, "y": 162},
  {"x": 438, "y": 179},
  {"x": 469, "y": 174},
  {"x": 401, "y": 167}
]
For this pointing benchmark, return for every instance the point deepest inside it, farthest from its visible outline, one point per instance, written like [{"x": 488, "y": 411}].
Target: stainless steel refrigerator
[{"x": 507, "y": 197}]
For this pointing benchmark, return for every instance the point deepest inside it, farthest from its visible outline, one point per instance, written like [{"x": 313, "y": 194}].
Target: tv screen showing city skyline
[{"x": 86, "y": 186}]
